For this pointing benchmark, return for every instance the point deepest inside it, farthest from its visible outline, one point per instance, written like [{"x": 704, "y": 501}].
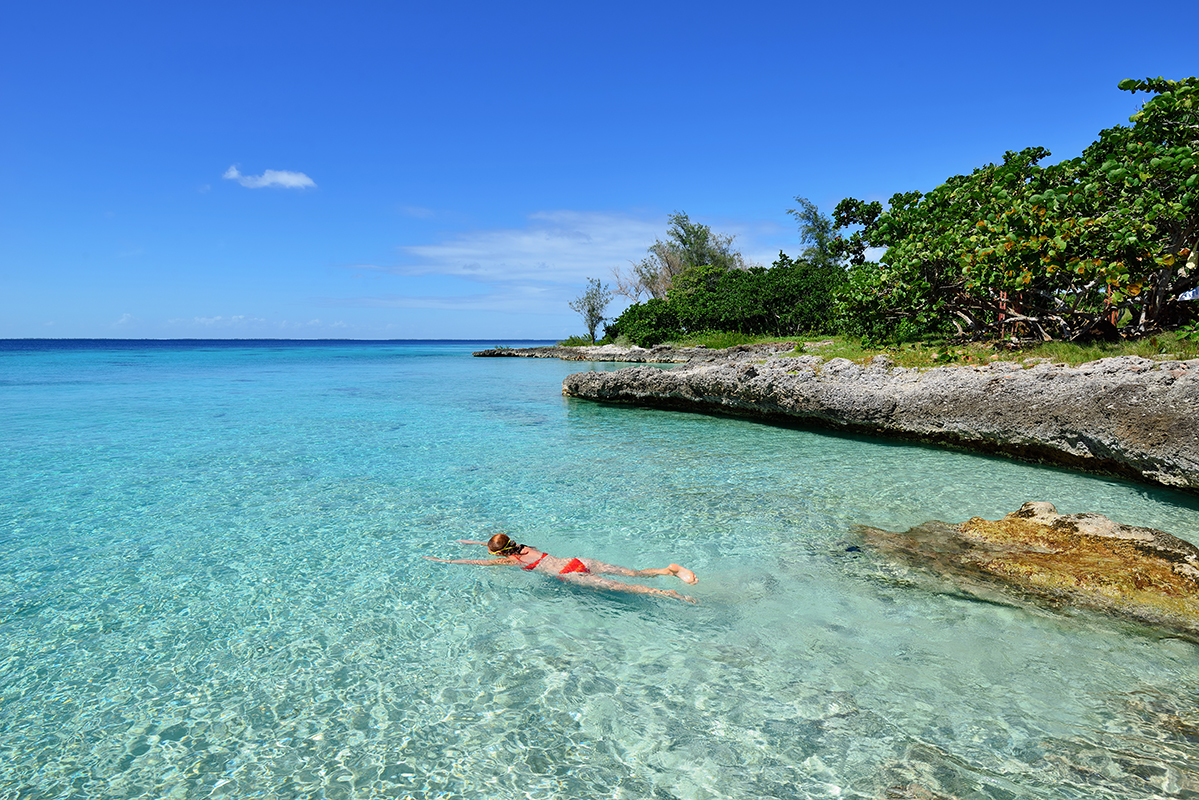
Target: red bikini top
[{"x": 535, "y": 563}]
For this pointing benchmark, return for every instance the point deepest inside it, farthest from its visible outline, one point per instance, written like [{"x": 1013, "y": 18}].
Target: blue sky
[{"x": 402, "y": 170}]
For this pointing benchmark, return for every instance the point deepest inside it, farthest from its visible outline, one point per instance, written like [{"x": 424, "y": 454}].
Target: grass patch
[
  {"x": 1164, "y": 346},
  {"x": 576, "y": 341},
  {"x": 914, "y": 354},
  {"x": 721, "y": 340},
  {"x": 1179, "y": 346}
]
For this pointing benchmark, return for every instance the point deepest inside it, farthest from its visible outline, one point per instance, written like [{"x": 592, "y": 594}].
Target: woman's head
[{"x": 502, "y": 545}]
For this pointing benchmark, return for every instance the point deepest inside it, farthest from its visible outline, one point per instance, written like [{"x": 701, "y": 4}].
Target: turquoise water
[{"x": 211, "y": 586}]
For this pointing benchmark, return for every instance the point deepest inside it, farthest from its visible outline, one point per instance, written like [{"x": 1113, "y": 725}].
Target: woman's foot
[{"x": 683, "y": 574}]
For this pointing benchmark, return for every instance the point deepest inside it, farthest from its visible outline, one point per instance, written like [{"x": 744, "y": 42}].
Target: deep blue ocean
[{"x": 211, "y": 585}]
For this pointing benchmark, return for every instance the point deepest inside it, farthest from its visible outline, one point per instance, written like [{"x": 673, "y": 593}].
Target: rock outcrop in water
[
  {"x": 607, "y": 352},
  {"x": 1127, "y": 416},
  {"x": 1076, "y": 560}
]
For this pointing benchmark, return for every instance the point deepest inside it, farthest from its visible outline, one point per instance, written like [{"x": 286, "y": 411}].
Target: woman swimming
[{"x": 580, "y": 571}]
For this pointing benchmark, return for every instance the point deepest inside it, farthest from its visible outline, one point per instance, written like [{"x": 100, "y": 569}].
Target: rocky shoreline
[
  {"x": 607, "y": 352},
  {"x": 1125, "y": 416}
]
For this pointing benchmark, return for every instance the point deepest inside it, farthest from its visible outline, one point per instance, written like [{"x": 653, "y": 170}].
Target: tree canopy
[
  {"x": 1094, "y": 245},
  {"x": 688, "y": 244},
  {"x": 818, "y": 232},
  {"x": 591, "y": 305},
  {"x": 1098, "y": 246},
  {"x": 792, "y": 296}
]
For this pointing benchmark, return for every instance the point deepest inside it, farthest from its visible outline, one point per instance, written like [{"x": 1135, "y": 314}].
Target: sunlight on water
[{"x": 210, "y": 586}]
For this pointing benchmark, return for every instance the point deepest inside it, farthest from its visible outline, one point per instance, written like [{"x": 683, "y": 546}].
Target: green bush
[
  {"x": 1066, "y": 251},
  {"x": 646, "y": 324},
  {"x": 791, "y": 297}
]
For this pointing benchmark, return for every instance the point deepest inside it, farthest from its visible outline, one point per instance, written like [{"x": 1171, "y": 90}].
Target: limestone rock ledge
[
  {"x": 662, "y": 354},
  {"x": 1077, "y": 560},
  {"x": 1126, "y": 416}
]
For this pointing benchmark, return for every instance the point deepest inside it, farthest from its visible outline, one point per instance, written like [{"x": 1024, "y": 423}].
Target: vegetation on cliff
[
  {"x": 1094, "y": 246},
  {"x": 1101, "y": 246},
  {"x": 697, "y": 290}
]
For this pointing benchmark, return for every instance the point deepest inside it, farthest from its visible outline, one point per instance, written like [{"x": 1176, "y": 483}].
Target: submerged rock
[{"x": 1074, "y": 560}]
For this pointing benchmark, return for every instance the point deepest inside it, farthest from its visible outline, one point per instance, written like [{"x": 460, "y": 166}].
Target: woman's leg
[
  {"x": 682, "y": 573},
  {"x": 596, "y": 582}
]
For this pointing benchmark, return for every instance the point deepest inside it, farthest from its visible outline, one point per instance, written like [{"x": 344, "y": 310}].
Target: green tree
[
  {"x": 1074, "y": 250},
  {"x": 647, "y": 324},
  {"x": 818, "y": 232},
  {"x": 798, "y": 295},
  {"x": 792, "y": 296},
  {"x": 592, "y": 304},
  {"x": 688, "y": 244}
]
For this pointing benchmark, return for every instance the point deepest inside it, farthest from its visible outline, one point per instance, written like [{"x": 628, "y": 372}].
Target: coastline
[
  {"x": 1125, "y": 416},
  {"x": 608, "y": 352}
]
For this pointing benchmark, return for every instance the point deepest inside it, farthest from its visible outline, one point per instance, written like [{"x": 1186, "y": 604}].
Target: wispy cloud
[
  {"x": 513, "y": 298},
  {"x": 222, "y": 321},
  {"x": 272, "y": 177},
  {"x": 418, "y": 212},
  {"x": 243, "y": 323},
  {"x": 535, "y": 269},
  {"x": 564, "y": 247},
  {"x": 557, "y": 247}
]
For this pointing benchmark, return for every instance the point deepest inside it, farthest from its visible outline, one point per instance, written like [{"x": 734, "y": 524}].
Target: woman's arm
[
  {"x": 482, "y": 562},
  {"x": 471, "y": 541}
]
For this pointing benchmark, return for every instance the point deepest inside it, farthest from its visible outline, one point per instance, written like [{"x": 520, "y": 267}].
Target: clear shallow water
[{"x": 210, "y": 586}]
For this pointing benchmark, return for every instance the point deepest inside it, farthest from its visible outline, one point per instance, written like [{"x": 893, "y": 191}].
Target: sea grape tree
[{"x": 1086, "y": 247}]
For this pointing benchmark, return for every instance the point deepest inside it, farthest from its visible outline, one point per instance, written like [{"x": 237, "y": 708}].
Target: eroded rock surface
[
  {"x": 1076, "y": 560},
  {"x": 662, "y": 354},
  {"x": 1127, "y": 416}
]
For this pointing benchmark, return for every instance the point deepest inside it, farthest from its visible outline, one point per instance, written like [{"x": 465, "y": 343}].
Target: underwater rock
[
  {"x": 1072, "y": 560},
  {"x": 1125, "y": 416}
]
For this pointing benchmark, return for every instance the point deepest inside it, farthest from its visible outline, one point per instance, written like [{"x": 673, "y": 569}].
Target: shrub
[{"x": 646, "y": 324}]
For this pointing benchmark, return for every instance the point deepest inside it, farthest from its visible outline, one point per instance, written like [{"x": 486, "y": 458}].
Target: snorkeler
[{"x": 579, "y": 571}]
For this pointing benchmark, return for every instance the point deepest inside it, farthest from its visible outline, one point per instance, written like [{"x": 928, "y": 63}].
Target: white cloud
[
  {"x": 520, "y": 298},
  {"x": 244, "y": 324},
  {"x": 567, "y": 247},
  {"x": 271, "y": 177},
  {"x": 124, "y": 320},
  {"x": 557, "y": 247},
  {"x": 537, "y": 269},
  {"x": 225, "y": 322}
]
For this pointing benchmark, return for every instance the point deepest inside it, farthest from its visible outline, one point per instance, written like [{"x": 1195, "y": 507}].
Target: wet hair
[{"x": 502, "y": 545}]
